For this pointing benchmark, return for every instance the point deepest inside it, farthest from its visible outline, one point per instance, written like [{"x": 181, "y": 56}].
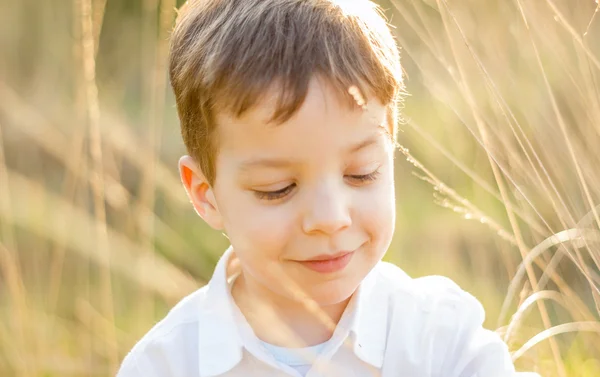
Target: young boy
[{"x": 288, "y": 112}]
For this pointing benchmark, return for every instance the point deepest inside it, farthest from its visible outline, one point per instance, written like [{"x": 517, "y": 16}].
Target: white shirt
[{"x": 394, "y": 326}]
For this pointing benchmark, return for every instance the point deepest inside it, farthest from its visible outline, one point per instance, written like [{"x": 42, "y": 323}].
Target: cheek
[
  {"x": 255, "y": 228},
  {"x": 377, "y": 211},
  {"x": 260, "y": 236}
]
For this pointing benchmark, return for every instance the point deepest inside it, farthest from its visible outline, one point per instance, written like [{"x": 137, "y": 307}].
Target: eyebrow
[
  {"x": 373, "y": 139},
  {"x": 282, "y": 163},
  {"x": 265, "y": 163}
]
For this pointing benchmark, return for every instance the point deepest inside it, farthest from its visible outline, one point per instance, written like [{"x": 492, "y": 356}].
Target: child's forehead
[
  {"x": 279, "y": 98},
  {"x": 323, "y": 121},
  {"x": 322, "y": 100}
]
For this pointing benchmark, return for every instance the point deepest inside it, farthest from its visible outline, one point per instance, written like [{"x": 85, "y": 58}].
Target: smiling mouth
[{"x": 327, "y": 264}]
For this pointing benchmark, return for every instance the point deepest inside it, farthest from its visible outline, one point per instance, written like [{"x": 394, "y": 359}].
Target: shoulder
[
  {"x": 172, "y": 341},
  {"x": 429, "y": 294},
  {"x": 433, "y": 323},
  {"x": 430, "y": 307}
]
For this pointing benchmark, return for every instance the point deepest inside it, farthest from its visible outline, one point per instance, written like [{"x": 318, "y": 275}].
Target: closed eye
[
  {"x": 274, "y": 195},
  {"x": 364, "y": 178},
  {"x": 357, "y": 179}
]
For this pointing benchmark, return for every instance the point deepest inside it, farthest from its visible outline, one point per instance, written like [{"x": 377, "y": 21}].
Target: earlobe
[{"x": 199, "y": 192}]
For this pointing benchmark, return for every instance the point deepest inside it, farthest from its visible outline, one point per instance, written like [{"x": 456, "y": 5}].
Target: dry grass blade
[
  {"x": 482, "y": 183},
  {"x": 576, "y": 37},
  {"x": 576, "y": 236},
  {"x": 11, "y": 270},
  {"x": 99, "y": 9},
  {"x": 115, "y": 132},
  {"x": 149, "y": 271},
  {"x": 510, "y": 118},
  {"x": 93, "y": 113},
  {"x": 587, "y": 28},
  {"x": 18, "y": 317},
  {"x": 557, "y": 112},
  {"x": 470, "y": 211},
  {"x": 550, "y": 333},
  {"x": 519, "y": 316}
]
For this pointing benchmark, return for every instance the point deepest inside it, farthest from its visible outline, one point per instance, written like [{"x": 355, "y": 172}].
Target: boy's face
[{"x": 316, "y": 187}]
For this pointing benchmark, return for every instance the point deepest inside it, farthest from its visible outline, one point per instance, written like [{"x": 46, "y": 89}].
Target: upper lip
[{"x": 324, "y": 257}]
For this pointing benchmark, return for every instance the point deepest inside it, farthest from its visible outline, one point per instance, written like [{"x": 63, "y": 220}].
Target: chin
[{"x": 334, "y": 292}]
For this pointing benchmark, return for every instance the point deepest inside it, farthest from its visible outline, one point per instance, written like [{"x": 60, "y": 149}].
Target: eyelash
[
  {"x": 366, "y": 177},
  {"x": 274, "y": 195},
  {"x": 279, "y": 194}
]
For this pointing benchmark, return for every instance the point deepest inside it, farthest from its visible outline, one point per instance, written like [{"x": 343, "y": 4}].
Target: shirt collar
[
  {"x": 221, "y": 346},
  {"x": 370, "y": 320},
  {"x": 219, "y": 343}
]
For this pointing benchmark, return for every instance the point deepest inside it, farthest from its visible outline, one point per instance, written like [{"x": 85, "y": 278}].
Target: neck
[{"x": 283, "y": 321}]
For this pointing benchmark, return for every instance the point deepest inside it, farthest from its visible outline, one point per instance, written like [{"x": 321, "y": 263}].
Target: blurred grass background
[{"x": 499, "y": 164}]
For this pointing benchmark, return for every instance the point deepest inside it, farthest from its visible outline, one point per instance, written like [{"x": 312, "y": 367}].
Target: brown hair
[{"x": 226, "y": 54}]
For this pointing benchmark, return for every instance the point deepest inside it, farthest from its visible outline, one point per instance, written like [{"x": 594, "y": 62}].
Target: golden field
[{"x": 498, "y": 176}]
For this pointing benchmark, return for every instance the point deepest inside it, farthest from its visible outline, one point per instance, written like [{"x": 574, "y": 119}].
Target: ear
[{"x": 200, "y": 192}]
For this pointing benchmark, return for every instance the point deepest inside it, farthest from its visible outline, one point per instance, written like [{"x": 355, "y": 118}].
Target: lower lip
[{"x": 330, "y": 265}]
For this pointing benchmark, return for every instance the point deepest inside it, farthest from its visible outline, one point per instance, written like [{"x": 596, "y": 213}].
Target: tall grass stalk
[
  {"x": 11, "y": 271},
  {"x": 464, "y": 59},
  {"x": 90, "y": 89}
]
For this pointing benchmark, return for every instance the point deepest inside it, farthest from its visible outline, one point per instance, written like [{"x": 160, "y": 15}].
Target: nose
[{"x": 327, "y": 210}]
